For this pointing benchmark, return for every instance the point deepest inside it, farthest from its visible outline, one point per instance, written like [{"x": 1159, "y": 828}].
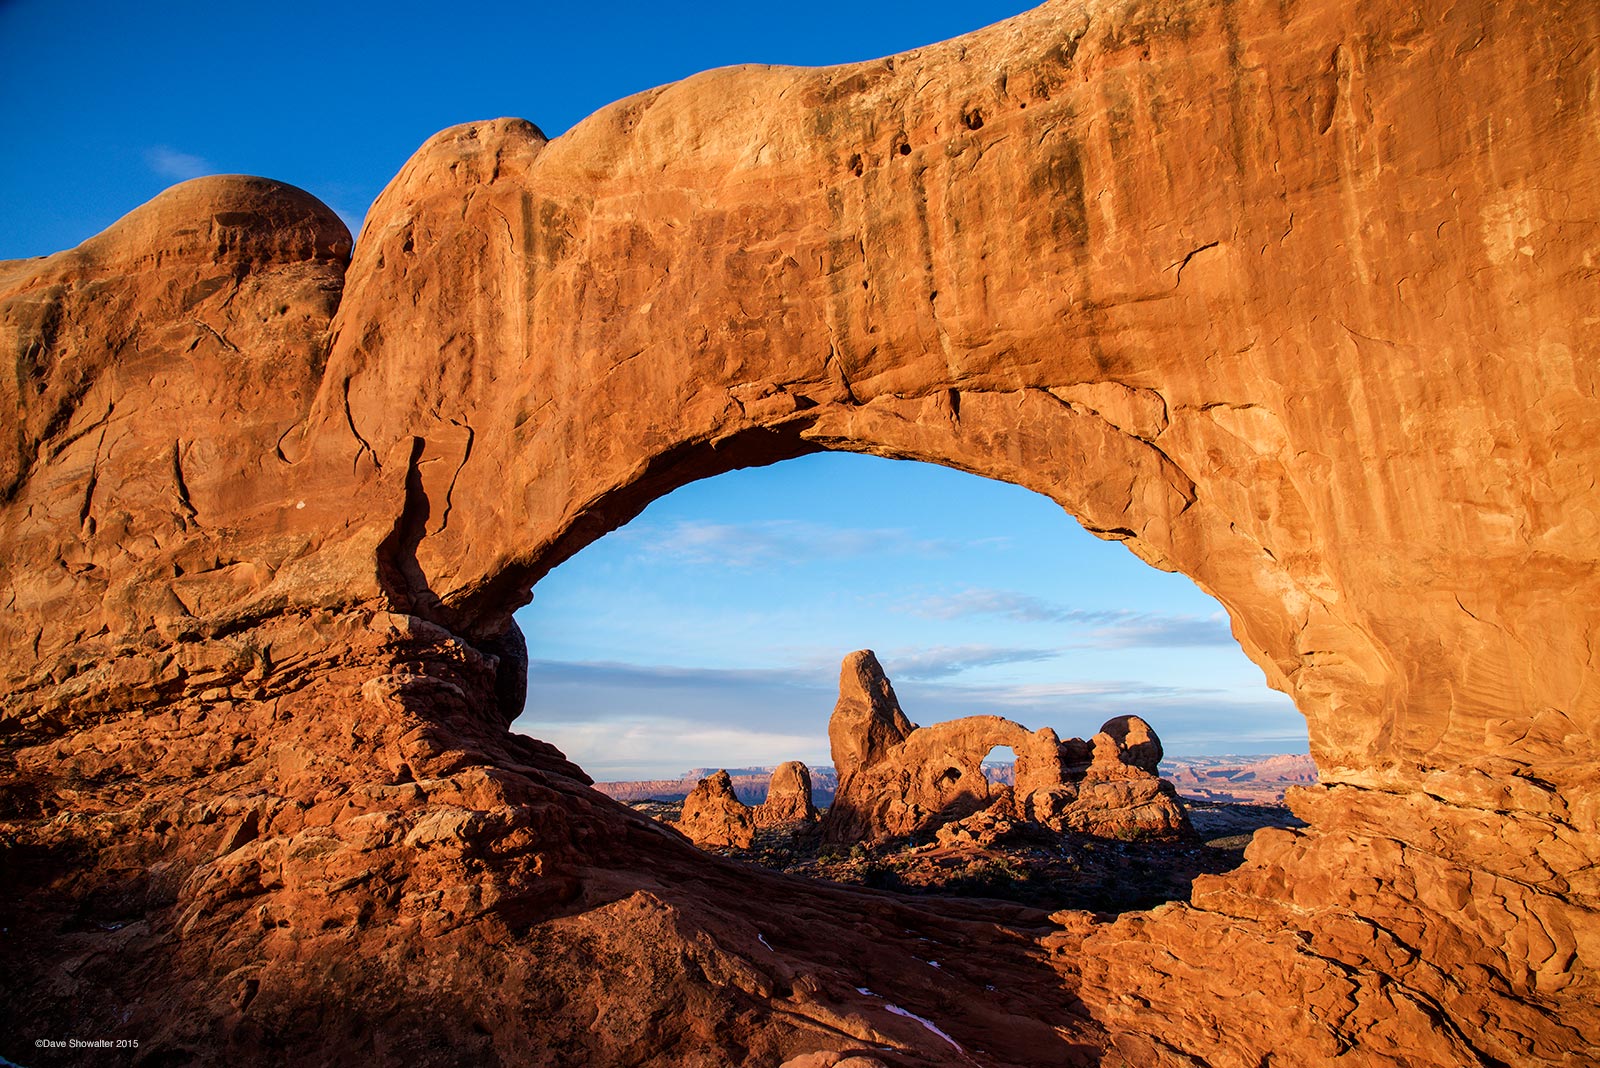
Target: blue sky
[
  {"x": 709, "y": 630},
  {"x": 103, "y": 105}
]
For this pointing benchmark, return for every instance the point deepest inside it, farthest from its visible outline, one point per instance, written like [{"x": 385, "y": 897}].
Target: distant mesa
[
  {"x": 1228, "y": 779},
  {"x": 1236, "y": 779},
  {"x": 750, "y": 785}
]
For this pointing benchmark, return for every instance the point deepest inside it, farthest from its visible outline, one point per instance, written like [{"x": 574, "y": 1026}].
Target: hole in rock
[
  {"x": 708, "y": 633},
  {"x": 1000, "y": 765}
]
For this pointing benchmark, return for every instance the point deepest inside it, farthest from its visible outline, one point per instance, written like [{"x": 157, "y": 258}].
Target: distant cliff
[
  {"x": 1254, "y": 778},
  {"x": 1239, "y": 778},
  {"x": 750, "y": 784}
]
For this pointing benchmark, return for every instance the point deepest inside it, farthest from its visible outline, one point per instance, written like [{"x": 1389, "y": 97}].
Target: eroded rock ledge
[{"x": 1295, "y": 298}]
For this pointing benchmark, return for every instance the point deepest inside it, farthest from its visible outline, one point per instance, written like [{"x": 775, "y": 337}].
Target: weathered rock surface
[
  {"x": 907, "y": 780},
  {"x": 714, "y": 816},
  {"x": 1118, "y": 808},
  {"x": 788, "y": 798},
  {"x": 1296, "y": 298}
]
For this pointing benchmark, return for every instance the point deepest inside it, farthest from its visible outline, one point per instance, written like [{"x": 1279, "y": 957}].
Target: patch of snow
[
  {"x": 924, "y": 1021},
  {"x": 898, "y": 1011},
  {"x": 763, "y": 939}
]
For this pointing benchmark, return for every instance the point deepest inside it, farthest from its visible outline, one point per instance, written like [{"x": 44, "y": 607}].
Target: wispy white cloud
[
  {"x": 631, "y": 721},
  {"x": 666, "y": 676},
  {"x": 1031, "y": 694},
  {"x": 650, "y": 747},
  {"x": 1151, "y": 631},
  {"x": 1187, "y": 719},
  {"x": 789, "y": 700},
  {"x": 179, "y": 166},
  {"x": 1008, "y": 604},
  {"x": 811, "y": 674},
  {"x": 1109, "y": 628},
  {"x": 943, "y": 661},
  {"x": 773, "y": 542}
]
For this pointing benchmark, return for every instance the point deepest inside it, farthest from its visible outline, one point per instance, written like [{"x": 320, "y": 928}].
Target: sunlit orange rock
[
  {"x": 903, "y": 780},
  {"x": 788, "y": 802},
  {"x": 1295, "y": 298},
  {"x": 714, "y": 816}
]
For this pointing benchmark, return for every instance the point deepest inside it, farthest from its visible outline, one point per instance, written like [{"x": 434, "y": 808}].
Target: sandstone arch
[
  {"x": 935, "y": 775},
  {"x": 1295, "y": 298},
  {"x": 898, "y": 780}
]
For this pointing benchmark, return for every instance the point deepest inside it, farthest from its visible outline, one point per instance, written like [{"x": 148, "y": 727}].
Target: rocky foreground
[
  {"x": 1296, "y": 297},
  {"x": 1029, "y": 865}
]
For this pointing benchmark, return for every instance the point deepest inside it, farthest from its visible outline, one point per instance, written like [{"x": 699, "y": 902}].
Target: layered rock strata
[{"x": 1295, "y": 298}]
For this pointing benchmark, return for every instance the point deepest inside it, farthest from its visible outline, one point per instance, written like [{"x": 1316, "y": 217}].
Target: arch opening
[
  {"x": 705, "y": 635},
  {"x": 737, "y": 594},
  {"x": 1000, "y": 765}
]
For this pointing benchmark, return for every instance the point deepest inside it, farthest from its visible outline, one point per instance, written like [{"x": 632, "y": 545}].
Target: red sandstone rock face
[
  {"x": 713, "y": 816},
  {"x": 1296, "y": 298}
]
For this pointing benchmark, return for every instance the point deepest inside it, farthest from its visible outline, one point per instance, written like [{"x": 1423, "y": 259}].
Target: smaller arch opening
[{"x": 1000, "y": 766}]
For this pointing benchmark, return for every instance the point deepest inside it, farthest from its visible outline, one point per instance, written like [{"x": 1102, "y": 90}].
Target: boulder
[
  {"x": 714, "y": 816},
  {"x": 788, "y": 797},
  {"x": 1127, "y": 741},
  {"x": 986, "y": 827}
]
